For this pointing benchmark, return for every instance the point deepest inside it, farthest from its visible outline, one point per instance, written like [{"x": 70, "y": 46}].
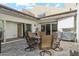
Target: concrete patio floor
[{"x": 17, "y": 49}]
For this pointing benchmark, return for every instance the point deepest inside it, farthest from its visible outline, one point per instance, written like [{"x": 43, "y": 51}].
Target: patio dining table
[{"x": 37, "y": 38}]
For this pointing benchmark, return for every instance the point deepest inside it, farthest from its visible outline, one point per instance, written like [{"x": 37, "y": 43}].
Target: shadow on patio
[{"x": 17, "y": 49}]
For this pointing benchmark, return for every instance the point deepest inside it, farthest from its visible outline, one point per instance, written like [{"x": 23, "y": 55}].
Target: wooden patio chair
[
  {"x": 30, "y": 34},
  {"x": 30, "y": 41},
  {"x": 56, "y": 41},
  {"x": 46, "y": 43}
]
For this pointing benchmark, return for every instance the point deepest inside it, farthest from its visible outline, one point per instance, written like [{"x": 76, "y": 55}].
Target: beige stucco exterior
[
  {"x": 13, "y": 18},
  {"x": 10, "y": 24}
]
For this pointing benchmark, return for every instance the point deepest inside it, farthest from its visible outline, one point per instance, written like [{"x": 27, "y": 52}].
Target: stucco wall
[
  {"x": 17, "y": 20},
  {"x": 67, "y": 23}
]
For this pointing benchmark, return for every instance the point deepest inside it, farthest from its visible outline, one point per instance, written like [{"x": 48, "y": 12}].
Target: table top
[{"x": 35, "y": 36}]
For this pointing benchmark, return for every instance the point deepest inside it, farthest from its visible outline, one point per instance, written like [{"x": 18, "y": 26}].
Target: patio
[{"x": 17, "y": 49}]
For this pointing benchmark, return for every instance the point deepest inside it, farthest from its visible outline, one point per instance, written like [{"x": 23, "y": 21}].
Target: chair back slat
[
  {"x": 55, "y": 35},
  {"x": 42, "y": 34},
  {"x": 46, "y": 41},
  {"x": 30, "y": 34}
]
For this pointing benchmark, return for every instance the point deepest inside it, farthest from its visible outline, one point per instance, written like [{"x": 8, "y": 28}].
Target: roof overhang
[
  {"x": 58, "y": 17},
  {"x": 50, "y": 17},
  {"x": 13, "y": 11}
]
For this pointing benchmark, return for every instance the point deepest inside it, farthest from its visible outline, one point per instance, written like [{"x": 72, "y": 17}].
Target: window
[
  {"x": 54, "y": 27},
  {"x": 28, "y": 27}
]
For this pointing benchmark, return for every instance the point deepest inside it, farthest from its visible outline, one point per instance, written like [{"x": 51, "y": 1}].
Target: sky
[{"x": 22, "y": 4}]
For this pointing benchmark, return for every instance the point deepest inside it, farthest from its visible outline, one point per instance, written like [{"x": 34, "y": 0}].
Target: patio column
[
  {"x": 51, "y": 29},
  {"x": 4, "y": 22},
  {"x": 75, "y": 20},
  {"x": 0, "y": 41},
  {"x": 77, "y": 29}
]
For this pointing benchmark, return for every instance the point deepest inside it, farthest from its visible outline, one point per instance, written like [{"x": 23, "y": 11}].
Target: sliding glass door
[
  {"x": 28, "y": 27},
  {"x": 54, "y": 27},
  {"x": 49, "y": 28}
]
